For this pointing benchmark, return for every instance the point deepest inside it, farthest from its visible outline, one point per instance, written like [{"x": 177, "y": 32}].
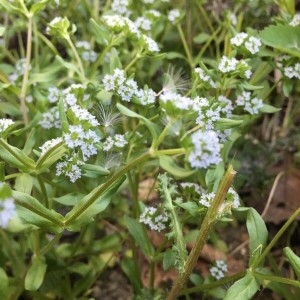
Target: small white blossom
[
  {"x": 153, "y": 219},
  {"x": 50, "y": 144},
  {"x": 251, "y": 105},
  {"x": 295, "y": 21},
  {"x": 143, "y": 23},
  {"x": 206, "y": 199},
  {"x": 253, "y": 44},
  {"x": 218, "y": 271},
  {"x": 204, "y": 77},
  {"x": 53, "y": 94},
  {"x": 118, "y": 141},
  {"x": 83, "y": 115},
  {"x": 233, "y": 197},
  {"x": 120, "y": 7},
  {"x": 206, "y": 150},
  {"x": 151, "y": 45},
  {"x": 292, "y": 71},
  {"x": 7, "y": 211},
  {"x": 70, "y": 167},
  {"x": 239, "y": 39},
  {"x": 227, "y": 64},
  {"x": 89, "y": 55},
  {"x": 5, "y": 123},
  {"x": 174, "y": 15},
  {"x": 50, "y": 119},
  {"x": 83, "y": 44},
  {"x": 145, "y": 97}
]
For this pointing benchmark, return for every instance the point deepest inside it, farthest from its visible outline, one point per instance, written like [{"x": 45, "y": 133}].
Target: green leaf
[
  {"x": 201, "y": 38},
  {"x": 94, "y": 171},
  {"x": 33, "y": 212},
  {"x": 2, "y": 30},
  {"x": 90, "y": 205},
  {"x": 35, "y": 274},
  {"x": 174, "y": 55},
  {"x": 169, "y": 259},
  {"x": 285, "y": 38},
  {"x": 293, "y": 259},
  {"x": 69, "y": 199},
  {"x": 4, "y": 285},
  {"x": 37, "y": 7},
  {"x": 139, "y": 234},
  {"x": 169, "y": 165},
  {"x": 258, "y": 233},
  {"x": 243, "y": 289},
  {"x": 24, "y": 183},
  {"x": 153, "y": 128},
  {"x": 16, "y": 157},
  {"x": 224, "y": 123},
  {"x": 132, "y": 272},
  {"x": 267, "y": 108},
  {"x": 101, "y": 33}
]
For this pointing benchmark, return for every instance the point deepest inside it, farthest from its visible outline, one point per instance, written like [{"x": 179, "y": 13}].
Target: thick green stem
[
  {"x": 50, "y": 245},
  {"x": 208, "y": 222},
  {"x": 26, "y": 71},
  {"x": 106, "y": 185}
]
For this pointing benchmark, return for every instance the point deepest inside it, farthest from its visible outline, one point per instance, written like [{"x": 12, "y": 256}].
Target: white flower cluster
[
  {"x": 156, "y": 221},
  {"x": 118, "y": 23},
  {"x": 292, "y": 71},
  {"x": 7, "y": 211},
  {"x": 219, "y": 269},
  {"x": 7, "y": 205},
  {"x": 206, "y": 150},
  {"x": 295, "y": 21},
  {"x": 228, "y": 65},
  {"x": 20, "y": 66},
  {"x": 120, "y": 7},
  {"x": 84, "y": 139},
  {"x": 204, "y": 77},
  {"x": 206, "y": 199},
  {"x": 50, "y": 144},
  {"x": 71, "y": 93},
  {"x": 143, "y": 23},
  {"x": 83, "y": 115},
  {"x": 117, "y": 141},
  {"x": 251, "y": 105},
  {"x": 127, "y": 88},
  {"x": 233, "y": 197},
  {"x": 86, "y": 52},
  {"x": 174, "y": 15},
  {"x": 177, "y": 101},
  {"x": 51, "y": 119},
  {"x": 5, "y": 123},
  {"x": 70, "y": 167},
  {"x": 251, "y": 43},
  {"x": 191, "y": 185},
  {"x": 53, "y": 94}
]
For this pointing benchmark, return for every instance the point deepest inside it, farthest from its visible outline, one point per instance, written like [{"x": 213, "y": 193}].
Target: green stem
[
  {"x": 136, "y": 56},
  {"x": 101, "y": 189},
  {"x": 82, "y": 74},
  {"x": 50, "y": 245},
  {"x": 44, "y": 191},
  {"x": 26, "y": 72},
  {"x": 210, "y": 286},
  {"x": 169, "y": 152},
  {"x": 13, "y": 153},
  {"x": 276, "y": 238},
  {"x": 279, "y": 279},
  {"x": 208, "y": 222},
  {"x": 162, "y": 135},
  {"x": 185, "y": 46}
]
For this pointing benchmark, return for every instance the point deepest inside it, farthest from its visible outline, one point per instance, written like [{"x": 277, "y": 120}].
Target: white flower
[
  {"x": 151, "y": 45},
  {"x": 253, "y": 44},
  {"x": 218, "y": 271},
  {"x": 227, "y": 65},
  {"x": 206, "y": 199},
  {"x": 239, "y": 39},
  {"x": 83, "y": 115},
  {"x": 83, "y": 44},
  {"x": 206, "y": 150},
  {"x": 5, "y": 123},
  {"x": 153, "y": 219},
  {"x": 7, "y": 211},
  {"x": 89, "y": 55},
  {"x": 143, "y": 23},
  {"x": 145, "y": 97},
  {"x": 292, "y": 71},
  {"x": 51, "y": 119},
  {"x": 204, "y": 77},
  {"x": 117, "y": 141},
  {"x": 53, "y": 94},
  {"x": 233, "y": 197},
  {"x": 120, "y": 7},
  {"x": 178, "y": 101},
  {"x": 174, "y": 15},
  {"x": 295, "y": 21},
  {"x": 50, "y": 144},
  {"x": 70, "y": 167},
  {"x": 251, "y": 105}
]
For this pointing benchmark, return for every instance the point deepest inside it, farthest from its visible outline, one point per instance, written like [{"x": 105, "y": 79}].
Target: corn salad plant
[{"x": 97, "y": 96}]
